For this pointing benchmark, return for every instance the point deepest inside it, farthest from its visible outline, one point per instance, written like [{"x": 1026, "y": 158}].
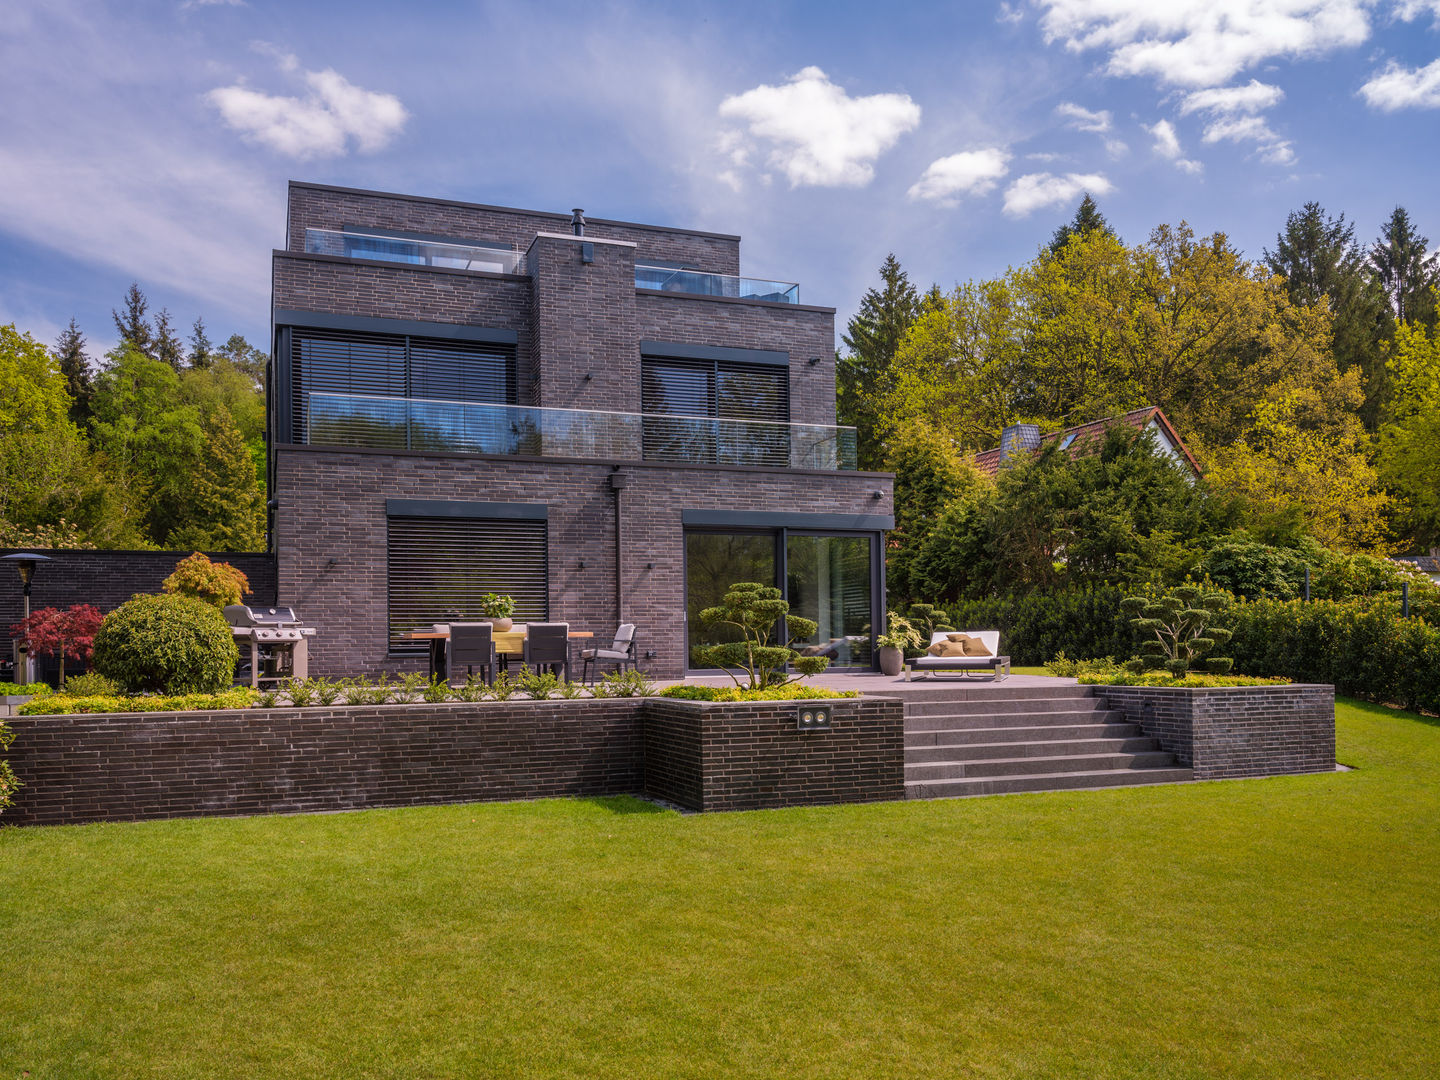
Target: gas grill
[{"x": 277, "y": 646}]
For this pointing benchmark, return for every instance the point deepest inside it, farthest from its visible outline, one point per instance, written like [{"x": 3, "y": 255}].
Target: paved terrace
[{"x": 872, "y": 683}]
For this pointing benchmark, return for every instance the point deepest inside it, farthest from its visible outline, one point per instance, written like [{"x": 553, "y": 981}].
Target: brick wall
[
  {"x": 312, "y": 206},
  {"x": 1227, "y": 732},
  {"x": 138, "y": 766},
  {"x": 126, "y": 768},
  {"x": 108, "y": 578},
  {"x": 330, "y": 535},
  {"x": 750, "y": 756}
]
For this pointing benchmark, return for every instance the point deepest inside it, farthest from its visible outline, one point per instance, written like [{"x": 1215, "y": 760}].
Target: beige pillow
[
  {"x": 976, "y": 647},
  {"x": 948, "y": 648}
]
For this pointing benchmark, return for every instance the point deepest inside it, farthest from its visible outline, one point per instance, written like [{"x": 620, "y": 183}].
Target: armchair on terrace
[
  {"x": 473, "y": 645},
  {"x": 621, "y": 653},
  {"x": 547, "y": 645}
]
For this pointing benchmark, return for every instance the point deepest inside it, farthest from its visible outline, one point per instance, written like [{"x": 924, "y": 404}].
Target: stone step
[
  {"x": 1065, "y": 781},
  {"x": 1002, "y": 705},
  {"x": 963, "y": 736},
  {"x": 931, "y": 690},
  {"x": 971, "y": 721},
  {"x": 1027, "y": 766},
  {"x": 919, "y": 755}
]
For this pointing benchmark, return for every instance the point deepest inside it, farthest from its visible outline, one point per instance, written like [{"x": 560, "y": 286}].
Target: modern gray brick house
[{"x": 599, "y": 418}]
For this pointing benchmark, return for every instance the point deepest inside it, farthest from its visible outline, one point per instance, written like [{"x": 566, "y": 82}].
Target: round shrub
[{"x": 167, "y": 645}]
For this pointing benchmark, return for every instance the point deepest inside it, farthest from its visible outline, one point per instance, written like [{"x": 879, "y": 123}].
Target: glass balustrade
[
  {"x": 694, "y": 283},
  {"x": 358, "y": 244},
  {"x": 471, "y": 427}
]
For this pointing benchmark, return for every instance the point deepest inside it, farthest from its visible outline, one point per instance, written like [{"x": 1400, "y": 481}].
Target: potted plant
[
  {"x": 901, "y": 636},
  {"x": 498, "y": 609}
]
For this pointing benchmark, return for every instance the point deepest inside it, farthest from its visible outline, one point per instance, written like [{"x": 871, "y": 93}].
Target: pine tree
[
  {"x": 202, "y": 350},
  {"x": 133, "y": 326},
  {"x": 1404, "y": 269},
  {"x": 75, "y": 365},
  {"x": 1087, "y": 219},
  {"x": 872, "y": 337},
  {"x": 1321, "y": 262},
  {"x": 226, "y": 504},
  {"x": 167, "y": 346}
]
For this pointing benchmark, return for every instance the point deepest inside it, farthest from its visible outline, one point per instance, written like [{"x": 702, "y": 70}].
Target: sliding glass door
[{"x": 830, "y": 579}]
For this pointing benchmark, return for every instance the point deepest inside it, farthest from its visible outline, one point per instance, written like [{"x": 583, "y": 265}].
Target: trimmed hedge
[{"x": 1036, "y": 627}]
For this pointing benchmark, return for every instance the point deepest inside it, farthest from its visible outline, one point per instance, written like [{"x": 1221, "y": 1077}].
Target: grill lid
[{"x": 245, "y": 615}]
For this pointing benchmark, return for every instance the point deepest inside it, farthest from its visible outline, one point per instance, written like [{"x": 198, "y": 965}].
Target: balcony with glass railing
[
  {"x": 695, "y": 283},
  {"x": 358, "y": 244},
  {"x": 397, "y": 423}
]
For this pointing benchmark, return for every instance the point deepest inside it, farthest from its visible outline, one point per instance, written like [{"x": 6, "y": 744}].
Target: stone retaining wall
[
  {"x": 1231, "y": 731},
  {"x": 126, "y": 767}
]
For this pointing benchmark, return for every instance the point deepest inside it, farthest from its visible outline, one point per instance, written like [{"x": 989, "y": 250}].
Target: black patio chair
[
  {"x": 547, "y": 645},
  {"x": 473, "y": 645},
  {"x": 621, "y": 653}
]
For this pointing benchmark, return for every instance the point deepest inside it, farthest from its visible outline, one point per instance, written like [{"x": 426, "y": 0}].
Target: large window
[
  {"x": 716, "y": 411},
  {"x": 355, "y": 389},
  {"x": 440, "y": 567}
]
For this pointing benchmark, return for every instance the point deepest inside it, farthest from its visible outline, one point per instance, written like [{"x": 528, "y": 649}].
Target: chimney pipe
[{"x": 577, "y": 221}]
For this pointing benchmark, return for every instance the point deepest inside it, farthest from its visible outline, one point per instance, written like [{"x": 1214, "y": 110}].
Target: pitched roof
[
  {"x": 1428, "y": 563},
  {"x": 988, "y": 461}
]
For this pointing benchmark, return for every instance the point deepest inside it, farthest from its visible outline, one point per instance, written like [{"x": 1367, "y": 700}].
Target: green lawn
[{"x": 1261, "y": 929}]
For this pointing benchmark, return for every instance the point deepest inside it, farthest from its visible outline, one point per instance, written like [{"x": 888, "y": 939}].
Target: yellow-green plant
[{"x": 214, "y": 583}]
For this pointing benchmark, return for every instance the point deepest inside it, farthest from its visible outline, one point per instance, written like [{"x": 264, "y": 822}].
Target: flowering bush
[{"x": 67, "y": 635}]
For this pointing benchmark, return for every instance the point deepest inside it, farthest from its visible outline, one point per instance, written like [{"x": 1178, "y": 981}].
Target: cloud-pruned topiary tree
[
  {"x": 1183, "y": 622},
  {"x": 753, "y": 610}
]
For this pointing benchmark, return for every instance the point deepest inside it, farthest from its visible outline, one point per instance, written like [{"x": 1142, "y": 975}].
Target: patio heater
[{"x": 25, "y": 562}]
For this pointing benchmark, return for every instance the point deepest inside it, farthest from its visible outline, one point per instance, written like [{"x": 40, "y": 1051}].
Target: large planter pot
[
  {"x": 502, "y": 625},
  {"x": 892, "y": 661}
]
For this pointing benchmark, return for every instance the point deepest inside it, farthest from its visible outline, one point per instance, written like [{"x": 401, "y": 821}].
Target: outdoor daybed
[{"x": 986, "y": 642}]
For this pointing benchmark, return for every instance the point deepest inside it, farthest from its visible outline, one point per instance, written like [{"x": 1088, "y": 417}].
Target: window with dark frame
[
  {"x": 438, "y": 568},
  {"x": 715, "y": 411}
]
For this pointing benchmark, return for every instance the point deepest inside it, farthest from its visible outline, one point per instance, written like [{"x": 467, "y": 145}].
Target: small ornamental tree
[
  {"x": 753, "y": 610},
  {"x": 66, "y": 635},
  {"x": 214, "y": 583},
  {"x": 166, "y": 645},
  {"x": 1182, "y": 621}
]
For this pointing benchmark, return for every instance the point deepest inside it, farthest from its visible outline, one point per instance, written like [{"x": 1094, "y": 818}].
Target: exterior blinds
[
  {"x": 715, "y": 411},
  {"x": 439, "y": 568},
  {"x": 352, "y": 388}
]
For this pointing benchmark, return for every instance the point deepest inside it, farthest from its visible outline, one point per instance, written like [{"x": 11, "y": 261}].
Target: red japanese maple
[{"x": 67, "y": 634}]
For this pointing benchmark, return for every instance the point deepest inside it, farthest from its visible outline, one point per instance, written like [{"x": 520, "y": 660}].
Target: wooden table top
[{"x": 432, "y": 635}]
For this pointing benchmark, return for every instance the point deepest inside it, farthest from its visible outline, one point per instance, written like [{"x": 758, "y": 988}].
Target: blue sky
[{"x": 153, "y": 141}]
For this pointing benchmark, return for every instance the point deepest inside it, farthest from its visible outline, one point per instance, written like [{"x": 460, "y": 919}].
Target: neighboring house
[
  {"x": 598, "y": 418},
  {"x": 1021, "y": 439},
  {"x": 1426, "y": 564}
]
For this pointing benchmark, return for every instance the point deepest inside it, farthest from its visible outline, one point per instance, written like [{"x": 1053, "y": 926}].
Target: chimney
[
  {"x": 577, "y": 221},
  {"x": 1017, "y": 440}
]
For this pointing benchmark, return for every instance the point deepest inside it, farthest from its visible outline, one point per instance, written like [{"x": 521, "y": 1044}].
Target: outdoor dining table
[{"x": 508, "y": 643}]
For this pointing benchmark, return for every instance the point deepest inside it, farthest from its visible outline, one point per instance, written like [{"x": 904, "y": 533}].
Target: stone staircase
[{"x": 993, "y": 739}]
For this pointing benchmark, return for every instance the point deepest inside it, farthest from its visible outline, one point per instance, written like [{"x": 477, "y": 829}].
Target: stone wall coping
[
  {"x": 345, "y": 260},
  {"x": 291, "y": 712},
  {"x": 1193, "y": 690},
  {"x": 778, "y": 305},
  {"x": 705, "y": 706},
  {"x": 583, "y": 239},
  {"x": 657, "y": 466}
]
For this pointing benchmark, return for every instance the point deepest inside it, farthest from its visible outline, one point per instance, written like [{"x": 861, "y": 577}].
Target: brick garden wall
[
  {"x": 750, "y": 756},
  {"x": 257, "y": 761},
  {"x": 1235, "y": 731}
]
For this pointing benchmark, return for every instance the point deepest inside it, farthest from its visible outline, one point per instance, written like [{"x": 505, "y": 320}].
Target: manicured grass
[{"x": 1268, "y": 928}]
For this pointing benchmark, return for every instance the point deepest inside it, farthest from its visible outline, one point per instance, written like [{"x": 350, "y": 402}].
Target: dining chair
[
  {"x": 621, "y": 653},
  {"x": 547, "y": 645},
  {"x": 471, "y": 644}
]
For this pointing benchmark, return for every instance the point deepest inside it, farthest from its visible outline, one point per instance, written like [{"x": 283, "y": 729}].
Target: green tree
[
  {"x": 871, "y": 338},
  {"x": 132, "y": 326},
  {"x": 1087, "y": 219},
  {"x": 1409, "y": 459},
  {"x": 202, "y": 350},
  {"x": 1322, "y": 263},
  {"x": 1404, "y": 269},
  {"x": 929, "y": 474},
  {"x": 168, "y": 348},
  {"x": 225, "y": 510},
  {"x": 75, "y": 366}
]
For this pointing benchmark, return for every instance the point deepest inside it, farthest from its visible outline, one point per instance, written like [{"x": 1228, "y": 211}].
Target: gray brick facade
[
  {"x": 578, "y": 321},
  {"x": 1233, "y": 731}
]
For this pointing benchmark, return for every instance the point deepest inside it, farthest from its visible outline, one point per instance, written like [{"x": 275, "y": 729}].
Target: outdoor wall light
[
  {"x": 589, "y": 375},
  {"x": 809, "y": 717},
  {"x": 582, "y": 564},
  {"x": 814, "y": 360},
  {"x": 877, "y": 495}
]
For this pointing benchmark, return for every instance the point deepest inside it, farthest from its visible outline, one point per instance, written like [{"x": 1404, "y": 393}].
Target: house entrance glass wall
[{"x": 831, "y": 579}]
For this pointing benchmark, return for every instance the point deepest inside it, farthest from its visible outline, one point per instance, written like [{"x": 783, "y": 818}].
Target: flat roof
[{"x": 506, "y": 209}]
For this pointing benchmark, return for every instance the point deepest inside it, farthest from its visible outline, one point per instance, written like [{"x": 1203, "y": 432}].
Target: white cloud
[
  {"x": 1202, "y": 42},
  {"x": 973, "y": 172},
  {"x": 821, "y": 135},
  {"x": 187, "y": 5},
  {"x": 1410, "y": 10},
  {"x": 1167, "y": 145},
  {"x": 1082, "y": 119},
  {"x": 1036, "y": 190},
  {"x": 320, "y": 125},
  {"x": 1398, "y": 87},
  {"x": 1239, "y": 129},
  {"x": 1251, "y": 98},
  {"x": 1010, "y": 13}
]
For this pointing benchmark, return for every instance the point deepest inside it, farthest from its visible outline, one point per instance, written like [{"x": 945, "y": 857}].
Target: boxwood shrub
[{"x": 166, "y": 645}]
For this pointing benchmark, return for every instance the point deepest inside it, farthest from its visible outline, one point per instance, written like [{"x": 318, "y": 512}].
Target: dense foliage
[
  {"x": 166, "y": 644},
  {"x": 750, "y": 612},
  {"x": 65, "y": 635},
  {"x": 154, "y": 446},
  {"x": 218, "y": 584},
  {"x": 738, "y": 693},
  {"x": 1180, "y": 627}
]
